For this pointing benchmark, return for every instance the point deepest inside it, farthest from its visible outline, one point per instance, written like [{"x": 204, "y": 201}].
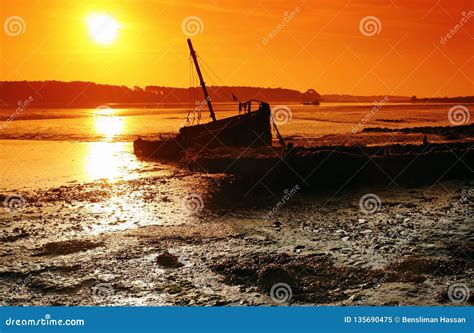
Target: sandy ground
[{"x": 184, "y": 238}]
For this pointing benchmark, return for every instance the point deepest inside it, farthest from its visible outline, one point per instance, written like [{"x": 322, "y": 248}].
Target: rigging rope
[
  {"x": 193, "y": 80},
  {"x": 279, "y": 136},
  {"x": 218, "y": 78},
  {"x": 194, "y": 113}
]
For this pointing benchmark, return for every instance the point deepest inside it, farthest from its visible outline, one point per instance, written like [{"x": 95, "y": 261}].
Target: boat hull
[{"x": 247, "y": 130}]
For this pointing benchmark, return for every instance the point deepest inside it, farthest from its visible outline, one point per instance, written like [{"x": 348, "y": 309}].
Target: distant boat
[
  {"x": 311, "y": 103},
  {"x": 311, "y": 97},
  {"x": 250, "y": 129}
]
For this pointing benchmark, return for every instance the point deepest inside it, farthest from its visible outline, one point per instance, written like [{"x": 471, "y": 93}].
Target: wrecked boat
[
  {"x": 242, "y": 145},
  {"x": 247, "y": 129}
]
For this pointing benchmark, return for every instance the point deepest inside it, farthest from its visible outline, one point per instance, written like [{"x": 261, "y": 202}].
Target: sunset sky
[{"x": 320, "y": 44}]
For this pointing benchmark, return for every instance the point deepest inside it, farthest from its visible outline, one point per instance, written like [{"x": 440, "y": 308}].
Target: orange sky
[{"x": 320, "y": 45}]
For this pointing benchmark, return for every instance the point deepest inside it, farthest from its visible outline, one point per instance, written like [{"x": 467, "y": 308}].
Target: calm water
[{"x": 52, "y": 147}]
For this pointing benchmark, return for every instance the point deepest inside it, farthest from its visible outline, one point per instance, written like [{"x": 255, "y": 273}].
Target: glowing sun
[{"x": 103, "y": 28}]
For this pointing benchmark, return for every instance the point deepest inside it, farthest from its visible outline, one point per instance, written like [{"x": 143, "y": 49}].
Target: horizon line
[{"x": 232, "y": 86}]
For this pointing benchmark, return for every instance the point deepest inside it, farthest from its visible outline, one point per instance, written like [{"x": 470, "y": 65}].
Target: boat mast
[{"x": 201, "y": 80}]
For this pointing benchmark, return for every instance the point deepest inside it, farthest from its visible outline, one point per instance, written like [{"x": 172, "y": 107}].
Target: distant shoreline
[
  {"x": 183, "y": 105},
  {"x": 76, "y": 94}
]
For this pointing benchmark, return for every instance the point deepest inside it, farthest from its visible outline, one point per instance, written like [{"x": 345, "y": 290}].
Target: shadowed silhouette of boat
[
  {"x": 335, "y": 166},
  {"x": 249, "y": 129},
  {"x": 242, "y": 145}
]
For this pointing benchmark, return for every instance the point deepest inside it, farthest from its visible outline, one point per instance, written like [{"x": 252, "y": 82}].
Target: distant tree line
[
  {"x": 89, "y": 94},
  {"x": 459, "y": 99}
]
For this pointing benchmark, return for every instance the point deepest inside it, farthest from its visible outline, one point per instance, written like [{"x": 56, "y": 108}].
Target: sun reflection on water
[
  {"x": 111, "y": 161},
  {"x": 106, "y": 159},
  {"x": 107, "y": 124}
]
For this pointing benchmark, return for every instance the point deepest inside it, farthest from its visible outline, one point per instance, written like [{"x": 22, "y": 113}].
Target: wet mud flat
[{"x": 187, "y": 238}]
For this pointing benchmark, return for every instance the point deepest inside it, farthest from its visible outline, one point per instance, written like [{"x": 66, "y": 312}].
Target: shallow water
[
  {"x": 50, "y": 147},
  {"x": 127, "y": 124},
  {"x": 95, "y": 216},
  {"x": 33, "y": 164}
]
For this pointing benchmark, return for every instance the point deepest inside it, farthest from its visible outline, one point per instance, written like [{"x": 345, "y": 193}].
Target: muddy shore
[{"x": 185, "y": 238}]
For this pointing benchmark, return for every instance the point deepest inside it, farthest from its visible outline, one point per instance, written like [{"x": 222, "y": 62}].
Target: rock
[
  {"x": 367, "y": 231},
  {"x": 298, "y": 248},
  {"x": 168, "y": 260},
  {"x": 68, "y": 247},
  {"x": 345, "y": 239},
  {"x": 362, "y": 220}
]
